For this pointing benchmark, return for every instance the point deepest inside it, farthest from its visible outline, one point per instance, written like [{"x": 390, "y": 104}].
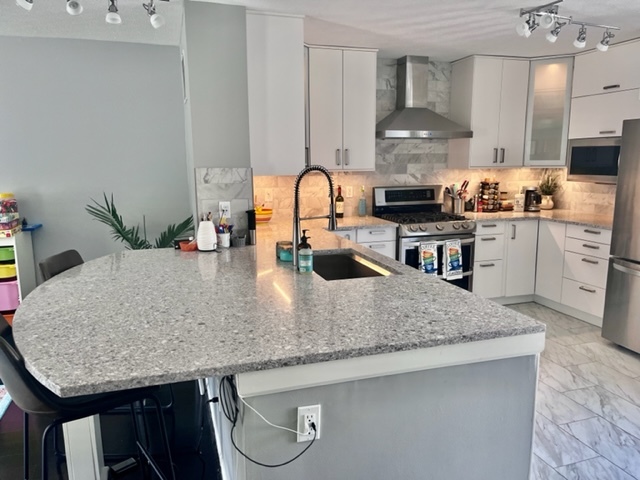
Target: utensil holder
[
  {"x": 224, "y": 240},
  {"x": 457, "y": 205}
]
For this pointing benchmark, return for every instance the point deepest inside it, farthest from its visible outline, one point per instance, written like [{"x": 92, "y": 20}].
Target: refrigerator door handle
[{"x": 628, "y": 270}]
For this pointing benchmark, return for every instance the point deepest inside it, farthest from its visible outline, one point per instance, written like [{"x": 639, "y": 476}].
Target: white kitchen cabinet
[
  {"x": 585, "y": 268},
  {"x": 489, "y": 96},
  {"x": 616, "y": 70},
  {"x": 521, "y": 248},
  {"x": 348, "y": 234},
  {"x": 583, "y": 297},
  {"x": 385, "y": 248},
  {"x": 275, "y": 68},
  {"x": 602, "y": 115},
  {"x": 487, "y": 278},
  {"x": 379, "y": 239},
  {"x": 550, "y": 260},
  {"x": 488, "y": 266},
  {"x": 342, "y": 108}
]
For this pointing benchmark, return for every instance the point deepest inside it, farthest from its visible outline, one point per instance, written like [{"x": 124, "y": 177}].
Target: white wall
[{"x": 81, "y": 117}]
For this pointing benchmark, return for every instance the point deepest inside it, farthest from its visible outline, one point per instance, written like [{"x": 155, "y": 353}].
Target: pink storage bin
[{"x": 9, "y": 295}]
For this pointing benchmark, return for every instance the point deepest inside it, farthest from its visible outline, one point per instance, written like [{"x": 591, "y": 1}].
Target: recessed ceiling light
[{"x": 74, "y": 7}]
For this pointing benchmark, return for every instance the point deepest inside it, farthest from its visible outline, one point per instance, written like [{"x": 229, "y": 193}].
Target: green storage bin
[{"x": 7, "y": 254}]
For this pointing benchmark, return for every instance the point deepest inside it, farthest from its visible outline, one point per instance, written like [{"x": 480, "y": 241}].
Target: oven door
[{"x": 409, "y": 255}]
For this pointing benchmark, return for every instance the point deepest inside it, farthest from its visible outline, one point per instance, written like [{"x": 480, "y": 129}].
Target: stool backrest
[{"x": 56, "y": 264}]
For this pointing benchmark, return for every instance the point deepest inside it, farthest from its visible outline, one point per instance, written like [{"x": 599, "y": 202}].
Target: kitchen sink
[{"x": 348, "y": 265}]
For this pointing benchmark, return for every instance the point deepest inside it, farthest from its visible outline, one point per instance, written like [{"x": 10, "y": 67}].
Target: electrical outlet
[
  {"x": 349, "y": 191},
  {"x": 306, "y": 416},
  {"x": 224, "y": 208},
  {"x": 268, "y": 195}
]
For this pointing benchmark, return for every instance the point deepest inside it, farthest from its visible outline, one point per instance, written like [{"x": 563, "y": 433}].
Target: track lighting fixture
[
  {"x": 113, "y": 16},
  {"x": 26, "y": 4},
  {"x": 603, "y": 45},
  {"x": 156, "y": 19},
  {"x": 74, "y": 7},
  {"x": 546, "y": 16}
]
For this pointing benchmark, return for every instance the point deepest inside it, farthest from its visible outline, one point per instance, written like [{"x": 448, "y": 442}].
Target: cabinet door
[
  {"x": 602, "y": 115},
  {"x": 522, "y": 243},
  {"x": 385, "y": 248},
  {"x": 325, "y": 107},
  {"x": 359, "y": 110},
  {"x": 485, "y": 112},
  {"x": 488, "y": 278},
  {"x": 549, "y": 266},
  {"x": 513, "y": 112}
]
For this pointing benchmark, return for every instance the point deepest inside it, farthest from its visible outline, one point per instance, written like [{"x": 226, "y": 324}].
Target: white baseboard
[
  {"x": 574, "y": 312},
  {"x": 513, "y": 300}
]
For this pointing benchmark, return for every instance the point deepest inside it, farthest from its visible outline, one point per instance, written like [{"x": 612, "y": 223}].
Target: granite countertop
[
  {"x": 149, "y": 317},
  {"x": 556, "y": 215}
]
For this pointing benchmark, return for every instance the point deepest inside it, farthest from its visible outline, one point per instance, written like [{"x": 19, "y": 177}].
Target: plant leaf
[
  {"x": 166, "y": 238},
  {"x": 108, "y": 214}
]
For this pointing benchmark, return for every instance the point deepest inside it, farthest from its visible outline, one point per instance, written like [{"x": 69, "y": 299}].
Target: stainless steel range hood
[{"x": 412, "y": 118}]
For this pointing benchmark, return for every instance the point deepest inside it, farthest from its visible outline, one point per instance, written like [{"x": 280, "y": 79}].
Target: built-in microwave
[{"x": 594, "y": 160}]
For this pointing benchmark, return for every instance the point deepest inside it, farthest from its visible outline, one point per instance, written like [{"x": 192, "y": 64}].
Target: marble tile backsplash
[{"x": 414, "y": 161}]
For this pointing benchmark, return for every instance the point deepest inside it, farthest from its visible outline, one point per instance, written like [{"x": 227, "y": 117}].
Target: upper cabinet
[
  {"x": 275, "y": 68},
  {"x": 342, "y": 108},
  {"x": 548, "y": 112},
  {"x": 489, "y": 95},
  {"x": 602, "y": 115}
]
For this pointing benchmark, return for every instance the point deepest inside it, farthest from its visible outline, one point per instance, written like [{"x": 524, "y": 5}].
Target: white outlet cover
[
  {"x": 349, "y": 191},
  {"x": 302, "y": 411}
]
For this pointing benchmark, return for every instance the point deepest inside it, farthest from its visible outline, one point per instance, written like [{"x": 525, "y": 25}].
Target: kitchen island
[{"x": 416, "y": 378}]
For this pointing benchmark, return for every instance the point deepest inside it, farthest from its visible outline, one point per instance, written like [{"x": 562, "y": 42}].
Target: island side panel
[{"x": 439, "y": 424}]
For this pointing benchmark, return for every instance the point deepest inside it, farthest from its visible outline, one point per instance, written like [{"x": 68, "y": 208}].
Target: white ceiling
[{"x": 440, "y": 29}]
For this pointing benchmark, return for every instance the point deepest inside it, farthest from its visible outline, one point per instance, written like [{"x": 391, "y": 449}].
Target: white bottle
[{"x": 518, "y": 203}]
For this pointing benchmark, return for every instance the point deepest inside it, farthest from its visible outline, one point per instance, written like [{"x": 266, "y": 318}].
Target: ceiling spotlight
[
  {"x": 547, "y": 20},
  {"x": 74, "y": 7},
  {"x": 525, "y": 29},
  {"x": 26, "y": 4},
  {"x": 156, "y": 19},
  {"x": 603, "y": 45},
  {"x": 581, "y": 41},
  {"x": 552, "y": 36},
  {"x": 112, "y": 16}
]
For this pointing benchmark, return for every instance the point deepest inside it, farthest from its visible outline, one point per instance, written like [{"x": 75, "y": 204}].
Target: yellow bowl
[{"x": 263, "y": 217}]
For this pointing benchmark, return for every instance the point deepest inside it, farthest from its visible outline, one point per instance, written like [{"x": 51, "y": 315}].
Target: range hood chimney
[{"x": 412, "y": 118}]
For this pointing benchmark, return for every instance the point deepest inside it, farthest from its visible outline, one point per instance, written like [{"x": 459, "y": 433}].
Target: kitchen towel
[
  {"x": 429, "y": 258},
  {"x": 5, "y": 400},
  {"x": 453, "y": 265}
]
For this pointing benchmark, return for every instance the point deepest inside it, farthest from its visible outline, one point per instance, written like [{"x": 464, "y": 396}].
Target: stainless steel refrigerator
[{"x": 621, "y": 322}]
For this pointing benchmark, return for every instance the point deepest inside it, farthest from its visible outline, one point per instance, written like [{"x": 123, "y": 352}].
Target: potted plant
[{"x": 549, "y": 185}]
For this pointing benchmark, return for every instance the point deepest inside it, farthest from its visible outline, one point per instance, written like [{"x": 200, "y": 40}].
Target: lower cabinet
[
  {"x": 348, "y": 234},
  {"x": 487, "y": 278},
  {"x": 583, "y": 297},
  {"x": 550, "y": 261},
  {"x": 521, "y": 247},
  {"x": 378, "y": 239}
]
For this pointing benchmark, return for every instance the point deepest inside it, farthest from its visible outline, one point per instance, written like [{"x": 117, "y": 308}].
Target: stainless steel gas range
[{"x": 419, "y": 212}]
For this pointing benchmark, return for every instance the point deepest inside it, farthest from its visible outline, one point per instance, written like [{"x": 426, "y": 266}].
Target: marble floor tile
[
  {"x": 579, "y": 336},
  {"x": 609, "y": 379},
  {"x": 612, "y": 356},
  {"x": 617, "y": 410},
  {"x": 562, "y": 355},
  {"x": 559, "y": 377},
  {"x": 542, "y": 471},
  {"x": 598, "y": 468},
  {"x": 556, "y": 447},
  {"x": 559, "y": 408},
  {"x": 611, "y": 442}
]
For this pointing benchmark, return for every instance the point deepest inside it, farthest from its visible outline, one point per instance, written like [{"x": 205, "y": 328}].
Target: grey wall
[
  {"x": 217, "y": 62},
  {"x": 81, "y": 117}
]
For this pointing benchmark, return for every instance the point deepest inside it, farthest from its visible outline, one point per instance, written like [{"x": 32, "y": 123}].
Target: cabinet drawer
[
  {"x": 487, "y": 278},
  {"x": 585, "y": 298},
  {"x": 484, "y": 228},
  {"x": 378, "y": 234},
  {"x": 489, "y": 247},
  {"x": 585, "y": 269},
  {"x": 348, "y": 234},
  {"x": 385, "y": 248},
  {"x": 585, "y": 247},
  {"x": 594, "y": 234}
]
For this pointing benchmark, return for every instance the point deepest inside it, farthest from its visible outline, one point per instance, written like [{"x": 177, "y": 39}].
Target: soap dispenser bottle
[
  {"x": 362, "y": 203},
  {"x": 305, "y": 254}
]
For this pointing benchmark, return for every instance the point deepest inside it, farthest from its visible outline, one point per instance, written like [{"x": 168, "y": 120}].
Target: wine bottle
[{"x": 339, "y": 203}]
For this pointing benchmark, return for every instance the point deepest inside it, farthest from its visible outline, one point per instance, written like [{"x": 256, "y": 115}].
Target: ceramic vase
[{"x": 547, "y": 202}]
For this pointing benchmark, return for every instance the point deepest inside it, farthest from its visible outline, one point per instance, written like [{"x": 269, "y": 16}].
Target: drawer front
[
  {"x": 487, "y": 278},
  {"x": 348, "y": 234},
  {"x": 585, "y": 247},
  {"x": 385, "y": 248},
  {"x": 585, "y": 269},
  {"x": 593, "y": 234},
  {"x": 489, "y": 247},
  {"x": 9, "y": 296},
  {"x": 378, "y": 234},
  {"x": 485, "y": 228},
  {"x": 586, "y": 298}
]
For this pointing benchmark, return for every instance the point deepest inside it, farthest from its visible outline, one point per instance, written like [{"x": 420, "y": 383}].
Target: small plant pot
[{"x": 547, "y": 202}]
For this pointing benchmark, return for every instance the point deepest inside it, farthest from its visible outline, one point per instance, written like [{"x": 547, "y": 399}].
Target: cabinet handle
[
  {"x": 495, "y": 155},
  {"x": 338, "y": 160},
  {"x": 502, "y": 155},
  {"x": 346, "y": 156},
  {"x": 590, "y": 290},
  {"x": 376, "y": 232},
  {"x": 375, "y": 247},
  {"x": 606, "y": 132},
  {"x": 348, "y": 236},
  {"x": 487, "y": 264},
  {"x": 592, "y": 262},
  {"x": 609, "y": 87},
  {"x": 594, "y": 232},
  {"x": 592, "y": 247},
  {"x": 513, "y": 232},
  {"x": 488, "y": 225},
  {"x": 487, "y": 239}
]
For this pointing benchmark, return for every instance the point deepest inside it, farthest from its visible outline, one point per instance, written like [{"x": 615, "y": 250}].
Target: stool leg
[
  {"x": 45, "y": 459},
  {"x": 136, "y": 433},
  {"x": 25, "y": 445},
  {"x": 163, "y": 432}
]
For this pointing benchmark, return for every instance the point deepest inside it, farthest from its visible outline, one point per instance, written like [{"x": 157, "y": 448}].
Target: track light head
[
  {"x": 603, "y": 45},
  {"x": 26, "y": 4},
  {"x": 581, "y": 40},
  {"x": 525, "y": 29},
  {"x": 74, "y": 7},
  {"x": 552, "y": 36},
  {"x": 547, "y": 20},
  {"x": 156, "y": 19},
  {"x": 113, "y": 17}
]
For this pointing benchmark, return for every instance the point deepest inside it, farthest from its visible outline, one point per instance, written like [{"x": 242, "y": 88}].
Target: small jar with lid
[
  {"x": 284, "y": 251},
  {"x": 9, "y": 217}
]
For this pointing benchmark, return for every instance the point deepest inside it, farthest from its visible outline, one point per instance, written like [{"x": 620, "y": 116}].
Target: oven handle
[
  {"x": 465, "y": 274},
  {"x": 464, "y": 241}
]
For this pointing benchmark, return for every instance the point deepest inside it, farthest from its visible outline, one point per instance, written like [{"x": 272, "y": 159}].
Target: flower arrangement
[{"x": 549, "y": 184}]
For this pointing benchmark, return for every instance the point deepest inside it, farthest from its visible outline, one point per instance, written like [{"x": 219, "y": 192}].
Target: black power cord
[{"x": 229, "y": 403}]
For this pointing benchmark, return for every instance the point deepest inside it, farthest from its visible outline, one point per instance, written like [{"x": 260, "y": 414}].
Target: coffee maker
[{"x": 532, "y": 199}]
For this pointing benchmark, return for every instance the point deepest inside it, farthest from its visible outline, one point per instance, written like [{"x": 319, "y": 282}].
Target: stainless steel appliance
[
  {"x": 621, "y": 322},
  {"x": 594, "y": 159},
  {"x": 419, "y": 213},
  {"x": 532, "y": 199}
]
